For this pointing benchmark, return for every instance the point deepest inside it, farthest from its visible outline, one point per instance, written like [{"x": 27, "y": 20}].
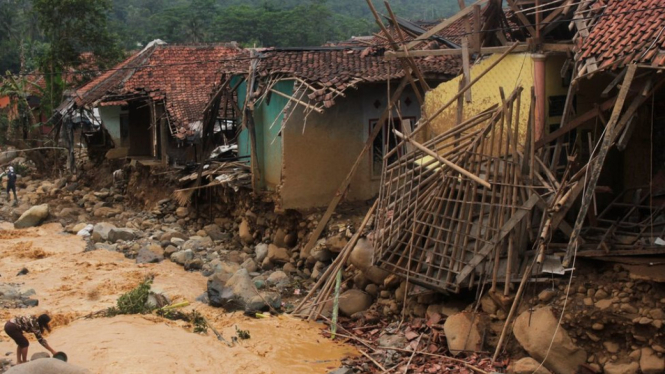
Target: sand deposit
[{"x": 71, "y": 283}]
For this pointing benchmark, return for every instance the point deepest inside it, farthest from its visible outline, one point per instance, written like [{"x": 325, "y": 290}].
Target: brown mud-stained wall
[{"x": 317, "y": 161}]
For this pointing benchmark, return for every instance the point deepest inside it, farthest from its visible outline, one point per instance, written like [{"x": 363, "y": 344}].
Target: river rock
[
  {"x": 376, "y": 275},
  {"x": 32, "y": 217},
  {"x": 534, "y": 331},
  {"x": 182, "y": 257},
  {"x": 100, "y": 231},
  {"x": 182, "y": 212},
  {"x": 46, "y": 366},
  {"x": 250, "y": 265},
  {"x": 261, "y": 251},
  {"x": 244, "y": 233},
  {"x": 337, "y": 242},
  {"x": 239, "y": 293},
  {"x": 278, "y": 255},
  {"x": 198, "y": 243},
  {"x": 528, "y": 365},
  {"x": 361, "y": 255},
  {"x": 124, "y": 234},
  {"x": 320, "y": 252},
  {"x": 215, "y": 232},
  {"x": 650, "y": 363},
  {"x": 464, "y": 332},
  {"x": 106, "y": 212},
  {"x": 167, "y": 236},
  {"x": 278, "y": 279},
  {"x": 621, "y": 368},
  {"x": 150, "y": 254},
  {"x": 354, "y": 301}
]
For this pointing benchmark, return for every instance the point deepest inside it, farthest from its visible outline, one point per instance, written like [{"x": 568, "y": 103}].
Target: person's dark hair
[{"x": 43, "y": 321}]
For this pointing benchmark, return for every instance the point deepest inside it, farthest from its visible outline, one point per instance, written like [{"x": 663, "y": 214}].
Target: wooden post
[{"x": 598, "y": 164}]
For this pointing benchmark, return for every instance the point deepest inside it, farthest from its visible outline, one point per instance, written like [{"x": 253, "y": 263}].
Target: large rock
[
  {"x": 361, "y": 255},
  {"x": 650, "y": 363},
  {"x": 528, "y": 365},
  {"x": 239, "y": 293},
  {"x": 277, "y": 255},
  {"x": 215, "y": 232},
  {"x": 150, "y": 254},
  {"x": 535, "y": 330},
  {"x": 100, "y": 232},
  {"x": 46, "y": 366},
  {"x": 278, "y": 279},
  {"x": 244, "y": 232},
  {"x": 182, "y": 257},
  {"x": 32, "y": 217},
  {"x": 621, "y": 368},
  {"x": 464, "y": 332},
  {"x": 116, "y": 234},
  {"x": 354, "y": 301},
  {"x": 106, "y": 212},
  {"x": 376, "y": 275},
  {"x": 261, "y": 251},
  {"x": 198, "y": 243}
]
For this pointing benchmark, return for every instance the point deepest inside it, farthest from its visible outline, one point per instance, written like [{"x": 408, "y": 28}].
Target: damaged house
[
  {"x": 151, "y": 105},
  {"x": 312, "y": 111}
]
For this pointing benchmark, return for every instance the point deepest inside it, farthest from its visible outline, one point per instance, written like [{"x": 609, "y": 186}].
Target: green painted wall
[{"x": 267, "y": 112}]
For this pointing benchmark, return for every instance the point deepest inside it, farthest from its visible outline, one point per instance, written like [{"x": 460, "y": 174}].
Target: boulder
[
  {"x": 464, "y": 332},
  {"x": 46, "y": 366},
  {"x": 621, "y": 368},
  {"x": 278, "y": 255},
  {"x": 354, "y": 301},
  {"x": 361, "y": 255},
  {"x": 182, "y": 257},
  {"x": 182, "y": 212},
  {"x": 106, "y": 212},
  {"x": 320, "y": 252},
  {"x": 244, "y": 232},
  {"x": 261, "y": 251},
  {"x": 38, "y": 355},
  {"x": 100, "y": 231},
  {"x": 650, "y": 363},
  {"x": 278, "y": 279},
  {"x": 167, "y": 236},
  {"x": 198, "y": 243},
  {"x": 239, "y": 292},
  {"x": 278, "y": 238},
  {"x": 117, "y": 234},
  {"x": 528, "y": 365},
  {"x": 535, "y": 330},
  {"x": 250, "y": 265},
  {"x": 376, "y": 275},
  {"x": 337, "y": 242},
  {"x": 150, "y": 254},
  {"x": 32, "y": 217},
  {"x": 215, "y": 232}
]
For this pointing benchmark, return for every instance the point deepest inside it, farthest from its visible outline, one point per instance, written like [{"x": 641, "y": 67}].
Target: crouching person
[{"x": 15, "y": 328}]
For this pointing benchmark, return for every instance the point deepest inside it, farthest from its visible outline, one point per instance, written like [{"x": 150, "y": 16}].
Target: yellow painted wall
[{"x": 513, "y": 71}]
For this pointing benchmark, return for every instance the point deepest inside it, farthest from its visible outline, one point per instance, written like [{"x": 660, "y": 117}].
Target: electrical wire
[{"x": 515, "y": 28}]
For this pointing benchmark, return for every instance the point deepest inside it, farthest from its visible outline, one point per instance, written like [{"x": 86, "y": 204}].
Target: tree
[{"x": 71, "y": 27}]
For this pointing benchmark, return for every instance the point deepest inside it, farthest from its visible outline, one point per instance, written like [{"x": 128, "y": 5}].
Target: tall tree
[{"x": 70, "y": 28}]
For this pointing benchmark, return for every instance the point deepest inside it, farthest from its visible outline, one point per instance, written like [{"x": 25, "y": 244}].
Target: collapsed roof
[
  {"x": 625, "y": 31},
  {"x": 182, "y": 76}
]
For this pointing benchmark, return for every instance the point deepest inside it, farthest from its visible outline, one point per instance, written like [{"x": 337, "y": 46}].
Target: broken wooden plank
[
  {"x": 444, "y": 161},
  {"x": 598, "y": 165},
  {"x": 576, "y": 122},
  {"x": 520, "y": 47},
  {"x": 449, "y": 21},
  {"x": 465, "y": 67},
  {"x": 503, "y": 232},
  {"x": 306, "y": 105}
]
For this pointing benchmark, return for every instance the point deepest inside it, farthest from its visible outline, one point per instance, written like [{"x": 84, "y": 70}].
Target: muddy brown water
[{"x": 70, "y": 284}]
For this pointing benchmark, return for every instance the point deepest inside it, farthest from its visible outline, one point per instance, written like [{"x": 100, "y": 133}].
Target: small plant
[
  {"x": 242, "y": 334},
  {"x": 134, "y": 301}
]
